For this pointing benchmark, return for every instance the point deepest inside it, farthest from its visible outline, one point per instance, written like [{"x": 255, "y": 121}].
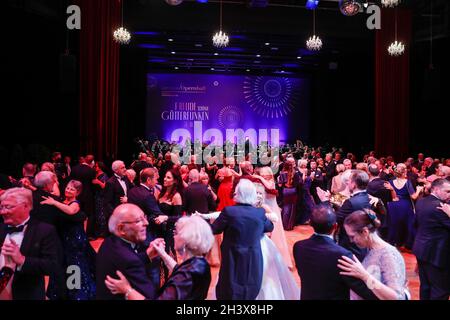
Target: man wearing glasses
[
  {"x": 28, "y": 247},
  {"x": 123, "y": 251}
]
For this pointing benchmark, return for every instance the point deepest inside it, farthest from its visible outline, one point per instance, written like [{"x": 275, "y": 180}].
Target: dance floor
[{"x": 303, "y": 232}]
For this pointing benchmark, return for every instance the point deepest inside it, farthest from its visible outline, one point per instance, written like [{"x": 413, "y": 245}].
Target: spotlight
[
  {"x": 350, "y": 7},
  {"x": 312, "y": 4}
]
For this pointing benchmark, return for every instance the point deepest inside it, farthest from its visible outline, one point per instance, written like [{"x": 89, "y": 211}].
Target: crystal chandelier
[
  {"x": 314, "y": 43},
  {"x": 396, "y": 48},
  {"x": 349, "y": 7},
  {"x": 220, "y": 39},
  {"x": 390, "y": 3},
  {"x": 121, "y": 35}
]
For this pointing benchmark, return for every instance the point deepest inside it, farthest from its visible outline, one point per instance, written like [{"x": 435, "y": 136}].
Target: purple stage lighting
[{"x": 312, "y": 4}]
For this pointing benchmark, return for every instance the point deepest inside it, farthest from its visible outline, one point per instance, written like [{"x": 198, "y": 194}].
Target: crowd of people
[{"x": 165, "y": 223}]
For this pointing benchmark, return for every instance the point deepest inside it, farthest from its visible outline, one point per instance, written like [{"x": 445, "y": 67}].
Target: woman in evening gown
[
  {"x": 278, "y": 235},
  {"x": 288, "y": 181},
  {"x": 170, "y": 203},
  {"x": 401, "y": 214},
  {"x": 77, "y": 249}
]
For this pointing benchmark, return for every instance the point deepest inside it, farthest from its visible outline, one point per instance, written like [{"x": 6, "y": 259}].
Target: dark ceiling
[{"x": 268, "y": 39}]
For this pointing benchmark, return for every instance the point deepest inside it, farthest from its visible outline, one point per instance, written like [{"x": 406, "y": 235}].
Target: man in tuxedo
[
  {"x": 44, "y": 182},
  {"x": 85, "y": 173},
  {"x": 32, "y": 246},
  {"x": 432, "y": 243},
  {"x": 330, "y": 169},
  {"x": 122, "y": 251},
  {"x": 382, "y": 190},
  {"x": 316, "y": 260},
  {"x": 144, "y": 196},
  {"x": 28, "y": 173},
  {"x": 241, "y": 269},
  {"x": 197, "y": 196},
  {"x": 140, "y": 165},
  {"x": 316, "y": 180},
  {"x": 116, "y": 188},
  {"x": 359, "y": 200}
]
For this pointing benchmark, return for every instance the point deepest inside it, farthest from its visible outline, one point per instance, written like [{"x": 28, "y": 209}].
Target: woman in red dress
[{"x": 225, "y": 176}]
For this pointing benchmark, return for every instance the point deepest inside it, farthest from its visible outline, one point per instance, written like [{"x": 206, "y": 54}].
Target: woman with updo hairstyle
[
  {"x": 383, "y": 268},
  {"x": 400, "y": 219}
]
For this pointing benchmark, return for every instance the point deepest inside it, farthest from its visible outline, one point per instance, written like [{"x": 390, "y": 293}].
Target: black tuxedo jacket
[
  {"x": 44, "y": 212},
  {"x": 432, "y": 242},
  {"x": 144, "y": 199},
  {"x": 197, "y": 197},
  {"x": 241, "y": 269},
  {"x": 112, "y": 193},
  {"x": 357, "y": 202},
  {"x": 316, "y": 260},
  {"x": 85, "y": 175},
  {"x": 377, "y": 189},
  {"x": 43, "y": 252},
  {"x": 116, "y": 254}
]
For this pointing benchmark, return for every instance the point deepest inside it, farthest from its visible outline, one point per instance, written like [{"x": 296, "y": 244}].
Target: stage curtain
[
  {"x": 392, "y": 86},
  {"x": 99, "y": 77}
]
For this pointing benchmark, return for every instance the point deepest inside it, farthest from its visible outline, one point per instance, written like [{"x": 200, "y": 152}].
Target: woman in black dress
[
  {"x": 77, "y": 249},
  {"x": 189, "y": 280}
]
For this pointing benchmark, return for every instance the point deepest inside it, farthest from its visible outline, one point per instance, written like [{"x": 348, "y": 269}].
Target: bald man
[{"x": 123, "y": 252}]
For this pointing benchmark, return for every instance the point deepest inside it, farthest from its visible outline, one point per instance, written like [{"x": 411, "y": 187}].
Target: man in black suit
[
  {"x": 116, "y": 188},
  {"x": 140, "y": 165},
  {"x": 122, "y": 252},
  {"x": 241, "y": 269},
  {"x": 359, "y": 200},
  {"x": 316, "y": 180},
  {"x": 330, "y": 169},
  {"x": 32, "y": 246},
  {"x": 44, "y": 182},
  {"x": 316, "y": 260},
  {"x": 432, "y": 243},
  {"x": 197, "y": 196},
  {"x": 85, "y": 173},
  {"x": 382, "y": 190}
]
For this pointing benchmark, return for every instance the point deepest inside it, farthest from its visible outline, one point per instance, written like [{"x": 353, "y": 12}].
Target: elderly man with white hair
[
  {"x": 243, "y": 226},
  {"x": 44, "y": 183},
  {"x": 29, "y": 248},
  {"x": 116, "y": 188},
  {"x": 123, "y": 251}
]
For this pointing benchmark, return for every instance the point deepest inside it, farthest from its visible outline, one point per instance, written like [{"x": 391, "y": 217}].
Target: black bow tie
[{"x": 12, "y": 229}]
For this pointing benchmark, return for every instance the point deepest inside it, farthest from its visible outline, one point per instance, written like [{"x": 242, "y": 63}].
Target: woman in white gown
[
  {"x": 270, "y": 202},
  {"x": 278, "y": 282}
]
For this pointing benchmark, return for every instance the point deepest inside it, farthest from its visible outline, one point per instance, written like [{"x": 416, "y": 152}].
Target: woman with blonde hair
[
  {"x": 188, "y": 280},
  {"x": 401, "y": 231}
]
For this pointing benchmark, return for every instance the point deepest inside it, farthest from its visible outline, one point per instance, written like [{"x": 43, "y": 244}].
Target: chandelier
[
  {"x": 314, "y": 43},
  {"x": 396, "y": 48},
  {"x": 390, "y": 3},
  {"x": 220, "y": 39},
  {"x": 121, "y": 35},
  {"x": 349, "y": 7},
  {"x": 174, "y": 2}
]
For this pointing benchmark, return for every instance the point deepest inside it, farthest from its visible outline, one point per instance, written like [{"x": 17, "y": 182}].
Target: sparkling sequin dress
[{"x": 78, "y": 255}]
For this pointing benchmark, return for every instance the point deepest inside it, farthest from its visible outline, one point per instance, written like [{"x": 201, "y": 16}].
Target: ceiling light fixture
[
  {"x": 121, "y": 35},
  {"x": 396, "y": 48},
  {"x": 350, "y": 7},
  {"x": 220, "y": 39},
  {"x": 314, "y": 43}
]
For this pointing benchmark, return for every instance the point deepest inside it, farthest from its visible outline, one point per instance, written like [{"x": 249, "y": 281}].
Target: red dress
[{"x": 225, "y": 193}]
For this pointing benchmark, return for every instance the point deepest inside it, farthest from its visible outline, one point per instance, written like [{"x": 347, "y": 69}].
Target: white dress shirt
[{"x": 6, "y": 294}]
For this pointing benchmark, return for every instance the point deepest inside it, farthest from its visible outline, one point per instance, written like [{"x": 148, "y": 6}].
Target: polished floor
[{"x": 303, "y": 232}]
